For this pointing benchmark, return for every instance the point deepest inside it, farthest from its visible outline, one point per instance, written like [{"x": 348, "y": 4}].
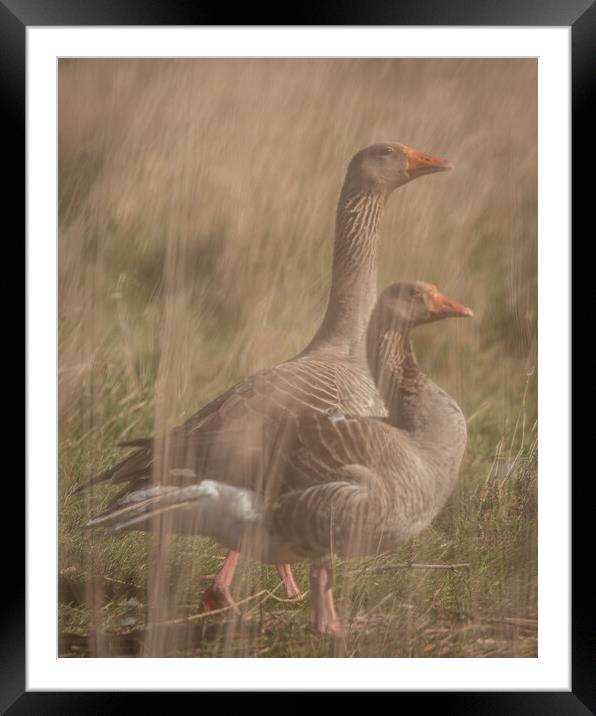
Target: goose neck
[
  {"x": 394, "y": 369},
  {"x": 414, "y": 402},
  {"x": 354, "y": 275}
]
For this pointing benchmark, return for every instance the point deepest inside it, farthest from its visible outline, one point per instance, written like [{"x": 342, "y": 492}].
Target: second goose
[{"x": 339, "y": 484}]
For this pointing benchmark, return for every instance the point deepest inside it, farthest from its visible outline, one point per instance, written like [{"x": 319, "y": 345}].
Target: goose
[
  {"x": 346, "y": 485},
  {"x": 228, "y": 438}
]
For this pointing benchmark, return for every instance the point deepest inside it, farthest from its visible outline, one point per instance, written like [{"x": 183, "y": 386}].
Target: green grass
[
  {"x": 486, "y": 607},
  {"x": 196, "y": 229}
]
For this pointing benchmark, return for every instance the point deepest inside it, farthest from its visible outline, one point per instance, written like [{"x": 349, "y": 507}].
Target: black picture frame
[{"x": 16, "y": 15}]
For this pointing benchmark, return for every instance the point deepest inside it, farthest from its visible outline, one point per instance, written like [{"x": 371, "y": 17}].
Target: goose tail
[{"x": 210, "y": 508}]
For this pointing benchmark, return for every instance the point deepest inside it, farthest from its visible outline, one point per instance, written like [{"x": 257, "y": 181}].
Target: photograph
[{"x": 297, "y": 358}]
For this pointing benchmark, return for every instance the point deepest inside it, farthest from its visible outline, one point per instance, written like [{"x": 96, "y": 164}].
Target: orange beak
[
  {"x": 420, "y": 163},
  {"x": 443, "y": 307}
]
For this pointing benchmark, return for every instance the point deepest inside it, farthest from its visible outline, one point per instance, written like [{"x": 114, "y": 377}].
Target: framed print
[{"x": 240, "y": 475}]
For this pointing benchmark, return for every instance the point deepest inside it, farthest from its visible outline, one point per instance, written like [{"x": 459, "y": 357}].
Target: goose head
[
  {"x": 386, "y": 166},
  {"x": 413, "y": 303}
]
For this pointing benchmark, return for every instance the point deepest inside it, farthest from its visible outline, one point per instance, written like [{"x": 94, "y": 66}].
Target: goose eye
[{"x": 387, "y": 150}]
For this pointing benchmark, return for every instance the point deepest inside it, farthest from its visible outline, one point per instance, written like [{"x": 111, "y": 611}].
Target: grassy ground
[{"x": 196, "y": 219}]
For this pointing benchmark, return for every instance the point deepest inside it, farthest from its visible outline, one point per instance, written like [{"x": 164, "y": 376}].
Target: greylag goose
[
  {"x": 227, "y": 439},
  {"x": 352, "y": 486}
]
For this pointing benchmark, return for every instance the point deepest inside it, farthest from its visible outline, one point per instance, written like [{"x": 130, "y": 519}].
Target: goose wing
[
  {"x": 347, "y": 486},
  {"x": 231, "y": 435},
  {"x": 332, "y": 486}
]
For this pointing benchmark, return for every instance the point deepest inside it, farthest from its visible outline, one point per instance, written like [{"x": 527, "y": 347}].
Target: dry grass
[{"x": 197, "y": 204}]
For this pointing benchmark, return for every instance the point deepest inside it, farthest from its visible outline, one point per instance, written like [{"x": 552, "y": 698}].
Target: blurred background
[{"x": 196, "y": 220}]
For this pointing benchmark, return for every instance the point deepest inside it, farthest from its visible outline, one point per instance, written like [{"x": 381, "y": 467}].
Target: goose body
[{"x": 349, "y": 485}]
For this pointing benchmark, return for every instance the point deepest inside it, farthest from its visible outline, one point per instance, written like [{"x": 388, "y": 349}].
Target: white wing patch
[{"x": 337, "y": 418}]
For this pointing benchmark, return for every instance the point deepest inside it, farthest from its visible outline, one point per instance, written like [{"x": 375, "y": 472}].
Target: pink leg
[
  {"x": 292, "y": 589},
  {"x": 218, "y": 595},
  {"x": 323, "y": 616}
]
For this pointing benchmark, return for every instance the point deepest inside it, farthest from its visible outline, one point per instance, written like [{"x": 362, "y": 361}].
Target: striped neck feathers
[
  {"x": 414, "y": 402},
  {"x": 394, "y": 369},
  {"x": 354, "y": 275}
]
